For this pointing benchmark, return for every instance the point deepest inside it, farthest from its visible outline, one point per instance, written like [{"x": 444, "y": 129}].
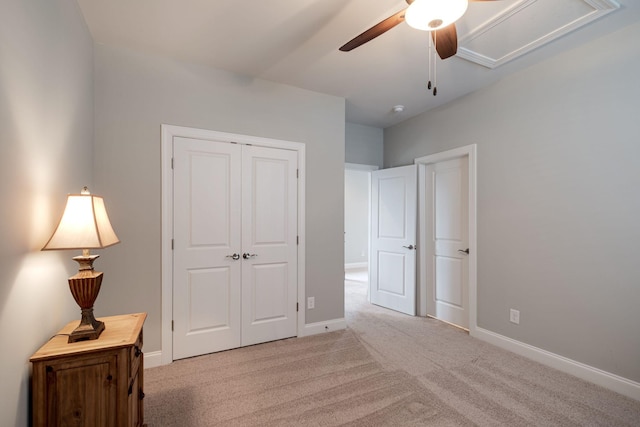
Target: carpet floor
[{"x": 385, "y": 369}]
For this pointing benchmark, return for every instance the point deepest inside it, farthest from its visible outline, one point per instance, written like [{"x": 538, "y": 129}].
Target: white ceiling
[{"x": 296, "y": 43}]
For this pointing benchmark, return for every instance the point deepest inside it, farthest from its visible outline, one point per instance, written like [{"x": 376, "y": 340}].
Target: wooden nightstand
[{"x": 91, "y": 383}]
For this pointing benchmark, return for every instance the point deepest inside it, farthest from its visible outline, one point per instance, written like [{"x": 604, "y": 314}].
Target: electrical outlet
[
  {"x": 311, "y": 303},
  {"x": 514, "y": 316}
]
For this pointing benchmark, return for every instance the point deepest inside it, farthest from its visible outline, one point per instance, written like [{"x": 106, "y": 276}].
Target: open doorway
[{"x": 357, "y": 183}]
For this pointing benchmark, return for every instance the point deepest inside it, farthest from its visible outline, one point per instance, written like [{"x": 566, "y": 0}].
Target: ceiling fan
[{"x": 436, "y": 16}]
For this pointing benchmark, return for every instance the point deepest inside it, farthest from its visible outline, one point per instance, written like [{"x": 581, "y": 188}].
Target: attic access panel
[{"x": 502, "y": 33}]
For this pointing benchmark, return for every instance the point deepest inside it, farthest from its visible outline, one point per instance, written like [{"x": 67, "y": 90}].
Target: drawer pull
[
  {"x": 141, "y": 395},
  {"x": 138, "y": 351}
]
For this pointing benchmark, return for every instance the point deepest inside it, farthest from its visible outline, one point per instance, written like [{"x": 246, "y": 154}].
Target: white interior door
[
  {"x": 207, "y": 213},
  {"x": 269, "y": 228},
  {"x": 232, "y": 200},
  {"x": 447, "y": 239},
  {"x": 392, "y": 266}
]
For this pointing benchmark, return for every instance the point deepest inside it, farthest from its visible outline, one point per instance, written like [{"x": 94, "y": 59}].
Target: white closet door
[
  {"x": 235, "y": 250},
  {"x": 269, "y": 234},
  {"x": 447, "y": 243},
  {"x": 206, "y": 282}
]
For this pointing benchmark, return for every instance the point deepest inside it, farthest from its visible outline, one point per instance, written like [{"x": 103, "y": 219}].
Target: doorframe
[
  {"x": 468, "y": 151},
  {"x": 168, "y": 133},
  {"x": 365, "y": 169}
]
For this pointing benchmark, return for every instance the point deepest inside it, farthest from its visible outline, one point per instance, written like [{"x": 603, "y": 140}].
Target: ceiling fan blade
[
  {"x": 446, "y": 41},
  {"x": 375, "y": 31}
]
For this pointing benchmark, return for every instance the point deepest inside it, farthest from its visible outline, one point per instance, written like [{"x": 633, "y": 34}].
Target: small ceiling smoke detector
[{"x": 398, "y": 109}]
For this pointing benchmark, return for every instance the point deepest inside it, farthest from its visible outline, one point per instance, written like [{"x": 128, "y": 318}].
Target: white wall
[
  {"x": 46, "y": 135},
  {"x": 558, "y": 199},
  {"x": 135, "y": 94}
]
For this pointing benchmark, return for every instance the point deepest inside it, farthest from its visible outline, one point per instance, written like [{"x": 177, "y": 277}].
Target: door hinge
[
  {"x": 297, "y": 173},
  {"x": 297, "y": 240},
  {"x": 172, "y": 326},
  {"x": 171, "y": 244},
  {"x": 172, "y": 163},
  {"x": 297, "y": 306}
]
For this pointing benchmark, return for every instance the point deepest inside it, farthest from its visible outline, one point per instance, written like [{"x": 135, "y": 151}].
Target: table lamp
[{"x": 84, "y": 225}]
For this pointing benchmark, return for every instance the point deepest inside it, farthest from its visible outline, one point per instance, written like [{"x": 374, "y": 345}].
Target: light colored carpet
[
  {"x": 386, "y": 369},
  {"x": 357, "y": 274}
]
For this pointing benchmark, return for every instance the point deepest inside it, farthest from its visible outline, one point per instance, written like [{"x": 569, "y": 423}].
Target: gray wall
[
  {"x": 364, "y": 145},
  {"x": 558, "y": 199},
  {"x": 46, "y": 135},
  {"x": 356, "y": 216},
  {"x": 135, "y": 94}
]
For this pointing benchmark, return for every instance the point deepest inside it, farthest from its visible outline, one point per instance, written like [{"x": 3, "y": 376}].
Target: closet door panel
[
  {"x": 269, "y": 242},
  {"x": 207, "y": 232}
]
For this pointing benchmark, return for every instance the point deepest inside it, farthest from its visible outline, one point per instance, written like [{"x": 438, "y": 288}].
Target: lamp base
[
  {"x": 85, "y": 287},
  {"x": 88, "y": 329}
]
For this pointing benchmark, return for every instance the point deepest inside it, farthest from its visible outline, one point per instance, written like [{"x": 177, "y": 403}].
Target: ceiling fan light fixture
[{"x": 432, "y": 15}]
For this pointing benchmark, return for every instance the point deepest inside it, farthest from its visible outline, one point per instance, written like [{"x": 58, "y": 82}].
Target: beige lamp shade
[{"x": 84, "y": 224}]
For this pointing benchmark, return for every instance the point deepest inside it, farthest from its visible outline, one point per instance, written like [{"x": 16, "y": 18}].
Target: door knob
[
  {"x": 248, "y": 255},
  {"x": 234, "y": 257},
  {"x": 411, "y": 247},
  {"x": 466, "y": 251}
]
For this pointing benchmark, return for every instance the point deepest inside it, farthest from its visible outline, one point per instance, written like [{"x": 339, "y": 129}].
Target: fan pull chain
[
  {"x": 433, "y": 50},
  {"x": 435, "y": 64},
  {"x": 429, "y": 83}
]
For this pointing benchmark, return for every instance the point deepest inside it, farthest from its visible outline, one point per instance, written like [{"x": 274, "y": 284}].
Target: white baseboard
[
  {"x": 356, "y": 265},
  {"x": 597, "y": 376},
  {"x": 152, "y": 359},
  {"x": 325, "y": 326}
]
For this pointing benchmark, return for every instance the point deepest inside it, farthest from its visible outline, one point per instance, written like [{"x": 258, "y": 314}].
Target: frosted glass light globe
[{"x": 432, "y": 15}]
